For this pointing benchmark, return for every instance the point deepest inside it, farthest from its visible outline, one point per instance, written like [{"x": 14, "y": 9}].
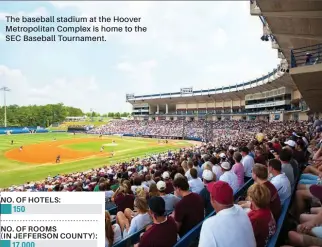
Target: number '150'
[{"x": 19, "y": 209}]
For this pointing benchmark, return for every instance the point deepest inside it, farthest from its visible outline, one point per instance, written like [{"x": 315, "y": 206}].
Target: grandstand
[
  {"x": 273, "y": 97},
  {"x": 281, "y": 143}
]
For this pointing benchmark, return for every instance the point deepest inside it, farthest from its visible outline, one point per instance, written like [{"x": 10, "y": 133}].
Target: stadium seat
[
  {"x": 130, "y": 240},
  {"x": 279, "y": 224},
  {"x": 273, "y": 241}
]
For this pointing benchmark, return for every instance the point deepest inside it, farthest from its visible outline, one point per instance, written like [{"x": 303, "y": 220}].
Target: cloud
[
  {"x": 41, "y": 11},
  {"x": 204, "y": 44},
  {"x": 140, "y": 74}
]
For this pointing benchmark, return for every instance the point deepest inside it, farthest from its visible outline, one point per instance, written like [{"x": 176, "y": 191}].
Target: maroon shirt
[
  {"x": 189, "y": 211},
  {"x": 169, "y": 189},
  {"x": 275, "y": 204},
  {"x": 160, "y": 235},
  {"x": 124, "y": 201},
  {"x": 263, "y": 225}
]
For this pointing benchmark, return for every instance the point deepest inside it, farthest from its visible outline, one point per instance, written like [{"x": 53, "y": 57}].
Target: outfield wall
[{"x": 20, "y": 130}]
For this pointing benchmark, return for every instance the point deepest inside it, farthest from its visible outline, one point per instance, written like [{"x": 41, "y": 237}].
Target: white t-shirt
[
  {"x": 248, "y": 163},
  {"x": 196, "y": 185},
  {"x": 218, "y": 171},
  {"x": 137, "y": 223},
  {"x": 283, "y": 186},
  {"x": 187, "y": 174},
  {"x": 117, "y": 235},
  {"x": 231, "y": 178},
  {"x": 233, "y": 221}
]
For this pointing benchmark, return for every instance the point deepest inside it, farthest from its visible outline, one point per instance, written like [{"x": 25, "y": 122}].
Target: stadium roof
[{"x": 273, "y": 80}]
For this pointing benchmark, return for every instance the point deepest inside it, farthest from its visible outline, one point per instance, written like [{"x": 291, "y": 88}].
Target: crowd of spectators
[
  {"x": 225, "y": 130},
  {"x": 170, "y": 193}
]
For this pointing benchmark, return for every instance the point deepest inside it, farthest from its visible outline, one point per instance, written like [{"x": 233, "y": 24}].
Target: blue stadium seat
[
  {"x": 279, "y": 224},
  {"x": 273, "y": 241},
  {"x": 130, "y": 240},
  {"x": 113, "y": 210}
]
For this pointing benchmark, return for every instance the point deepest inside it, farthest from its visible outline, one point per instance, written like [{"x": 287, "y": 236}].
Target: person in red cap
[{"x": 230, "y": 219}]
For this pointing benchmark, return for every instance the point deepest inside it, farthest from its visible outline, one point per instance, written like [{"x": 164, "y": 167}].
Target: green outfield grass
[{"x": 15, "y": 173}]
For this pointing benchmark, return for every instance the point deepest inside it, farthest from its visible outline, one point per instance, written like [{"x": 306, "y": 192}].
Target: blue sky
[{"x": 188, "y": 44}]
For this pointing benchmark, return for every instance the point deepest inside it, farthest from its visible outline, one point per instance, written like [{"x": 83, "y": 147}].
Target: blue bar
[
  {"x": 5, "y": 209},
  {"x": 4, "y": 243}
]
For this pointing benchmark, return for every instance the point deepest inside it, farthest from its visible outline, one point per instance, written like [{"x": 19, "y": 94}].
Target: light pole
[{"x": 5, "y": 89}]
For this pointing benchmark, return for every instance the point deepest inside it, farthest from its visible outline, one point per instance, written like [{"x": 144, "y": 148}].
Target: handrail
[{"x": 305, "y": 56}]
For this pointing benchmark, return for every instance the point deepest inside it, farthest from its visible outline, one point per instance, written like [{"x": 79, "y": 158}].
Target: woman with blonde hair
[
  {"x": 132, "y": 221},
  {"x": 262, "y": 220},
  {"x": 112, "y": 232}
]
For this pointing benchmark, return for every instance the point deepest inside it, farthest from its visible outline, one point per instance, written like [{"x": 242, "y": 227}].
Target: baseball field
[{"x": 37, "y": 158}]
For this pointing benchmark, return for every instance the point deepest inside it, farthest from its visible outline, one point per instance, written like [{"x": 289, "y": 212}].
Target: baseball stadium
[{"x": 243, "y": 159}]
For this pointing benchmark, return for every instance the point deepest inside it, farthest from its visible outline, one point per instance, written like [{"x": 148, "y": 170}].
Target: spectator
[
  {"x": 285, "y": 158},
  {"x": 123, "y": 198},
  {"x": 229, "y": 219},
  {"x": 260, "y": 176},
  {"x": 195, "y": 183},
  {"x": 217, "y": 170},
  {"x": 238, "y": 168},
  {"x": 248, "y": 163},
  {"x": 279, "y": 180},
  {"x": 208, "y": 177},
  {"x": 187, "y": 174},
  {"x": 229, "y": 176},
  {"x": 131, "y": 222},
  {"x": 112, "y": 232},
  {"x": 166, "y": 179},
  {"x": 153, "y": 190},
  {"x": 163, "y": 232},
  {"x": 262, "y": 220},
  {"x": 170, "y": 199},
  {"x": 185, "y": 215}
]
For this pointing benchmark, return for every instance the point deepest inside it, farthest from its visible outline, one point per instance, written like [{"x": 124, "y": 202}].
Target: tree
[
  {"x": 34, "y": 115},
  {"x": 117, "y": 115},
  {"x": 110, "y": 114}
]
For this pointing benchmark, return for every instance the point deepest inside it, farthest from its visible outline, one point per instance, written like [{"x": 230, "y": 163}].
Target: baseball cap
[
  {"x": 207, "y": 175},
  {"x": 166, "y": 175},
  {"x": 316, "y": 191},
  {"x": 161, "y": 185},
  {"x": 157, "y": 205},
  {"x": 225, "y": 165},
  {"x": 222, "y": 155},
  {"x": 290, "y": 143},
  {"x": 221, "y": 192}
]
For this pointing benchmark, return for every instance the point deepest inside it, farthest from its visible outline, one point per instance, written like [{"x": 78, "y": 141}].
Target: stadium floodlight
[{"x": 5, "y": 89}]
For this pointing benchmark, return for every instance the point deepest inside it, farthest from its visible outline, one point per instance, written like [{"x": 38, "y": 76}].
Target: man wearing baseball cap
[
  {"x": 166, "y": 178},
  {"x": 170, "y": 199},
  {"x": 230, "y": 219},
  {"x": 229, "y": 176},
  {"x": 163, "y": 232},
  {"x": 207, "y": 177}
]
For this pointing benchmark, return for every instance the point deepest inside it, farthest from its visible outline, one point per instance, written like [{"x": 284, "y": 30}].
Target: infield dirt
[{"x": 46, "y": 152}]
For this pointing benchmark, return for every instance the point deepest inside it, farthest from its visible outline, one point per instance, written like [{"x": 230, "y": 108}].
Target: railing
[{"x": 305, "y": 56}]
